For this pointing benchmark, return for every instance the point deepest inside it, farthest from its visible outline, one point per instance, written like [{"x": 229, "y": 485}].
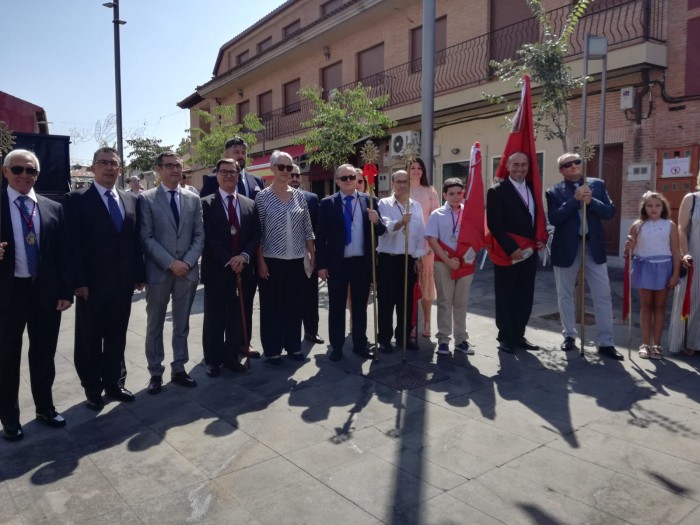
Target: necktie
[
  {"x": 348, "y": 219},
  {"x": 114, "y": 212},
  {"x": 31, "y": 246},
  {"x": 173, "y": 206},
  {"x": 234, "y": 224}
]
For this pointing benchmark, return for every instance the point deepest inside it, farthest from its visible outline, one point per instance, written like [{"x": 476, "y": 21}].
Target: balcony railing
[{"x": 467, "y": 63}]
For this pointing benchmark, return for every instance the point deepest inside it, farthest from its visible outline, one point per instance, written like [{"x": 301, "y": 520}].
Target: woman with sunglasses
[
  {"x": 427, "y": 197},
  {"x": 287, "y": 237}
]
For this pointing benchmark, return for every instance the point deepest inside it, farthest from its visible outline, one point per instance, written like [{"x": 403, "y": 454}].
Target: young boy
[{"x": 442, "y": 233}]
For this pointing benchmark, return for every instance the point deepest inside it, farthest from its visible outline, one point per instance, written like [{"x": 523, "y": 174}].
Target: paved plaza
[{"x": 538, "y": 437}]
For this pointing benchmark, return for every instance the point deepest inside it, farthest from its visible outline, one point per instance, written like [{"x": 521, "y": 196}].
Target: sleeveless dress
[
  {"x": 652, "y": 264},
  {"x": 427, "y": 197}
]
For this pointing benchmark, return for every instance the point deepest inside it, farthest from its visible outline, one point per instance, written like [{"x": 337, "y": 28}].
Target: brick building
[{"x": 652, "y": 59}]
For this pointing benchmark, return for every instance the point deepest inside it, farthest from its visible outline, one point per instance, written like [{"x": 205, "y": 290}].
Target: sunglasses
[
  {"x": 567, "y": 165},
  {"x": 295, "y": 175},
  {"x": 283, "y": 167},
  {"x": 18, "y": 170},
  {"x": 345, "y": 178}
]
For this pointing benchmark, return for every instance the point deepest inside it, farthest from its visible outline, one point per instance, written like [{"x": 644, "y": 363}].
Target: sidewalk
[{"x": 534, "y": 438}]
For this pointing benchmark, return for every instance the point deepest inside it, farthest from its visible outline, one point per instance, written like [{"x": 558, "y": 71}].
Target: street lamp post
[{"x": 118, "y": 80}]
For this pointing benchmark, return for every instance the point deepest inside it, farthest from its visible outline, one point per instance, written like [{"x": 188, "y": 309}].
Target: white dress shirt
[
  {"x": 356, "y": 248},
  {"x": 394, "y": 242},
  {"x": 21, "y": 268},
  {"x": 105, "y": 199},
  {"x": 526, "y": 196}
]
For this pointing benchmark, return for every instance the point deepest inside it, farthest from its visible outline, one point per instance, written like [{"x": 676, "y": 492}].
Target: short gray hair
[
  {"x": 276, "y": 155},
  {"x": 344, "y": 166},
  {"x": 21, "y": 153}
]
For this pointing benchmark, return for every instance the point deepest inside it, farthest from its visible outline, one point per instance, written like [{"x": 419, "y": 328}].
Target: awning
[{"x": 261, "y": 166}]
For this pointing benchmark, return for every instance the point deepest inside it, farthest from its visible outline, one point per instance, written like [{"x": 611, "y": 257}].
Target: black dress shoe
[
  {"x": 237, "y": 368},
  {"x": 183, "y": 379},
  {"x": 363, "y": 352},
  {"x": 155, "y": 384},
  {"x": 253, "y": 354},
  {"x": 503, "y": 347},
  {"x": 609, "y": 351},
  {"x": 121, "y": 394},
  {"x": 297, "y": 356},
  {"x": 527, "y": 345},
  {"x": 51, "y": 418},
  {"x": 568, "y": 345},
  {"x": 12, "y": 432},
  {"x": 386, "y": 348},
  {"x": 314, "y": 338},
  {"x": 336, "y": 354},
  {"x": 95, "y": 403},
  {"x": 213, "y": 371}
]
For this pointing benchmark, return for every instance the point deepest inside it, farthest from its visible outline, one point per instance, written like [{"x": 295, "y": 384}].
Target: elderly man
[
  {"x": 344, "y": 255},
  {"x": 564, "y": 205},
  {"x": 172, "y": 236},
  {"x": 249, "y": 185},
  {"x": 107, "y": 266},
  {"x": 34, "y": 290},
  {"x": 134, "y": 185},
  {"x": 231, "y": 238},
  {"x": 511, "y": 208}
]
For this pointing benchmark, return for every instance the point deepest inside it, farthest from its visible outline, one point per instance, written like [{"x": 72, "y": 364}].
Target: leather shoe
[
  {"x": 336, "y": 354},
  {"x": 121, "y": 394},
  {"x": 506, "y": 348},
  {"x": 386, "y": 348},
  {"x": 238, "y": 368},
  {"x": 155, "y": 384},
  {"x": 12, "y": 432},
  {"x": 276, "y": 361},
  {"x": 213, "y": 371},
  {"x": 568, "y": 345},
  {"x": 609, "y": 351},
  {"x": 314, "y": 338},
  {"x": 297, "y": 356},
  {"x": 253, "y": 354},
  {"x": 183, "y": 379},
  {"x": 365, "y": 352},
  {"x": 95, "y": 403},
  {"x": 527, "y": 345},
  {"x": 51, "y": 418}
]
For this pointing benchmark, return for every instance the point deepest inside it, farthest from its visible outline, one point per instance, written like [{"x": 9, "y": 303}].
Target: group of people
[{"x": 103, "y": 243}]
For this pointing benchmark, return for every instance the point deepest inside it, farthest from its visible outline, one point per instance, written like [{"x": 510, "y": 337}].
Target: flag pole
[
  {"x": 405, "y": 283},
  {"x": 244, "y": 323},
  {"x": 374, "y": 271}
]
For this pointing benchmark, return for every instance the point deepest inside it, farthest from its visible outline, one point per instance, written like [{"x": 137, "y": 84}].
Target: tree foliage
[
  {"x": 338, "y": 123},
  {"x": 544, "y": 62},
  {"x": 144, "y": 151},
  {"x": 207, "y": 147}
]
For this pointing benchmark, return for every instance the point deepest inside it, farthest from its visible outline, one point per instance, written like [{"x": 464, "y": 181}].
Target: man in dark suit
[
  {"x": 511, "y": 208},
  {"x": 107, "y": 266},
  {"x": 231, "y": 238},
  {"x": 249, "y": 185},
  {"x": 343, "y": 255},
  {"x": 564, "y": 210},
  {"x": 34, "y": 290},
  {"x": 310, "y": 313}
]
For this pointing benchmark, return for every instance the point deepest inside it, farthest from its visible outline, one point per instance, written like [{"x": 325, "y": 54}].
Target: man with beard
[{"x": 249, "y": 185}]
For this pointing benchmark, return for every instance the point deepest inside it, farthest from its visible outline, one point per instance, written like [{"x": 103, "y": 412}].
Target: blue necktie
[
  {"x": 348, "y": 219},
  {"x": 30, "y": 248},
  {"x": 114, "y": 212},
  {"x": 173, "y": 206}
]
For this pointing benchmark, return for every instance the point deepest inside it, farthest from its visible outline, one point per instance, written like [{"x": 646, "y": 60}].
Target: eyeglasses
[
  {"x": 295, "y": 175},
  {"x": 401, "y": 181},
  {"x": 18, "y": 170},
  {"x": 171, "y": 166},
  {"x": 345, "y": 178},
  {"x": 104, "y": 162},
  {"x": 567, "y": 165},
  {"x": 227, "y": 173},
  {"x": 283, "y": 167}
]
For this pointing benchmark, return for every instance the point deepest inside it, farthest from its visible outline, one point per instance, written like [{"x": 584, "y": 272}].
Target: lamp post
[{"x": 118, "y": 80}]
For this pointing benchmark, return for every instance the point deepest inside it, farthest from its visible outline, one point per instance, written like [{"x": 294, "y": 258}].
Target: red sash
[
  {"x": 499, "y": 256},
  {"x": 464, "y": 268}
]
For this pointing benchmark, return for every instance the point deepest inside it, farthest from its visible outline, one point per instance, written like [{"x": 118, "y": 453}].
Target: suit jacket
[
  {"x": 507, "y": 213},
  {"x": 563, "y": 212},
  {"x": 330, "y": 239},
  {"x": 162, "y": 241},
  {"x": 53, "y": 280},
  {"x": 313, "y": 205},
  {"x": 210, "y": 185},
  {"x": 217, "y": 238},
  {"x": 108, "y": 262}
]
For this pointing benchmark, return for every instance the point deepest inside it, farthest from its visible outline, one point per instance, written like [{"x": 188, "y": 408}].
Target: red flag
[
  {"x": 522, "y": 138},
  {"x": 471, "y": 229},
  {"x": 626, "y": 295},
  {"x": 417, "y": 296},
  {"x": 369, "y": 172},
  {"x": 685, "y": 311}
]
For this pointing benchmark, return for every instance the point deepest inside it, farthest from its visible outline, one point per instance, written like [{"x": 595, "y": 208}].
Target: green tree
[
  {"x": 341, "y": 121},
  {"x": 7, "y": 139},
  {"x": 206, "y": 147},
  {"x": 544, "y": 62},
  {"x": 142, "y": 156}
]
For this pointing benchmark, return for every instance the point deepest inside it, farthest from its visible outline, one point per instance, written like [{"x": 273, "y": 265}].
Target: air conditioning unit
[{"x": 400, "y": 140}]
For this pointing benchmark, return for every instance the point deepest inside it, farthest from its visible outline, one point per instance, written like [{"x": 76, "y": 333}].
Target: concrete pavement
[{"x": 534, "y": 438}]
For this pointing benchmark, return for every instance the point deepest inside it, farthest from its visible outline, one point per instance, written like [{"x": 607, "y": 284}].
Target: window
[
  {"x": 440, "y": 44},
  {"x": 242, "y": 57},
  {"x": 265, "y": 44},
  {"x": 291, "y": 28},
  {"x": 692, "y": 57},
  {"x": 512, "y": 25},
  {"x": 265, "y": 103},
  {"x": 370, "y": 62},
  {"x": 331, "y": 6},
  {"x": 453, "y": 169},
  {"x": 331, "y": 77},
  {"x": 291, "y": 98},
  {"x": 242, "y": 109}
]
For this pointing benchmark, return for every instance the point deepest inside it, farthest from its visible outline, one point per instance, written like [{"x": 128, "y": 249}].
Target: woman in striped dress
[{"x": 287, "y": 237}]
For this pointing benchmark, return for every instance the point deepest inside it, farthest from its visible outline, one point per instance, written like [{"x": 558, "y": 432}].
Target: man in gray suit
[{"x": 172, "y": 235}]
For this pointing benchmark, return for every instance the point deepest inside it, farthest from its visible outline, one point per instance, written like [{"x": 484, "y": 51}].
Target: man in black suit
[
  {"x": 107, "y": 266},
  {"x": 310, "y": 313},
  {"x": 231, "y": 237},
  {"x": 249, "y": 185},
  {"x": 34, "y": 290},
  {"x": 511, "y": 208},
  {"x": 343, "y": 255}
]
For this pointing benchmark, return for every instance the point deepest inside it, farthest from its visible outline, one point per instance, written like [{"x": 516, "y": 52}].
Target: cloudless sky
[{"x": 59, "y": 54}]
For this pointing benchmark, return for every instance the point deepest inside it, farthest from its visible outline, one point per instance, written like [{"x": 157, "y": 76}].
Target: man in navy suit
[
  {"x": 343, "y": 256},
  {"x": 231, "y": 238},
  {"x": 310, "y": 310},
  {"x": 107, "y": 266},
  {"x": 564, "y": 210},
  {"x": 249, "y": 185},
  {"x": 34, "y": 290}
]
